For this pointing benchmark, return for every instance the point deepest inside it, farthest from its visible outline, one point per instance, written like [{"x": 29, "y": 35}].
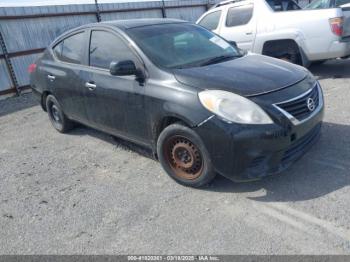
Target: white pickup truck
[{"x": 280, "y": 28}]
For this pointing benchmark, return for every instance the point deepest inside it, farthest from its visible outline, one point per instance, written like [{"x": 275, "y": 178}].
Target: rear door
[
  {"x": 64, "y": 74},
  {"x": 239, "y": 25}
]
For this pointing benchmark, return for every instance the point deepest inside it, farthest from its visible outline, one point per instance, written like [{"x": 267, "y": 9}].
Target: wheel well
[
  {"x": 282, "y": 48},
  {"x": 165, "y": 122},
  {"x": 43, "y": 99}
]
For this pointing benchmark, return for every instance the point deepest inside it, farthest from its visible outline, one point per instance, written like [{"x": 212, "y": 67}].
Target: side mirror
[
  {"x": 241, "y": 51},
  {"x": 123, "y": 68},
  {"x": 233, "y": 43}
]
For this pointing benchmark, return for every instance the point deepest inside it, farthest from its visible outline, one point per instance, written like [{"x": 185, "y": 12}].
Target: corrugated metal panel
[
  {"x": 132, "y": 15},
  {"x": 189, "y": 14},
  {"x": 30, "y": 10},
  {"x": 5, "y": 82},
  {"x": 24, "y": 34},
  {"x": 133, "y": 5}
]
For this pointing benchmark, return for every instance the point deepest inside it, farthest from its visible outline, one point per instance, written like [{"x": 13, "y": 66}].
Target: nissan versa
[{"x": 201, "y": 104}]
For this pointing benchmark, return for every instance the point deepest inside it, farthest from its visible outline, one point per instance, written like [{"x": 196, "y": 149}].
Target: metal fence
[{"x": 26, "y": 31}]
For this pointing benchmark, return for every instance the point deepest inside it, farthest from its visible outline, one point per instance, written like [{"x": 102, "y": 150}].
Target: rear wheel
[
  {"x": 58, "y": 119},
  {"x": 318, "y": 62},
  {"x": 184, "y": 157},
  {"x": 286, "y": 50}
]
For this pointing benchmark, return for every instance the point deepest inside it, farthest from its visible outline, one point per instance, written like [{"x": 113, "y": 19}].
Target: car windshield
[
  {"x": 318, "y": 4},
  {"x": 182, "y": 45}
]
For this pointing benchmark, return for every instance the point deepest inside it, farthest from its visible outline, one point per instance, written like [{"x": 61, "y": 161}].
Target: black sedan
[{"x": 203, "y": 106}]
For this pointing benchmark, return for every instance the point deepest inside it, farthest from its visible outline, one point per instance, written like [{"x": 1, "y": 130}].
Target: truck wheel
[
  {"x": 58, "y": 119},
  {"x": 184, "y": 157},
  {"x": 292, "y": 55},
  {"x": 319, "y": 62},
  {"x": 286, "y": 50}
]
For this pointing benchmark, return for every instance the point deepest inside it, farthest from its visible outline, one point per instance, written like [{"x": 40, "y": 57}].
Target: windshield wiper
[{"x": 218, "y": 59}]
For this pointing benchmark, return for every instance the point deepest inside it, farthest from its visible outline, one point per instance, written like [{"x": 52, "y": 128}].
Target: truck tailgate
[{"x": 346, "y": 14}]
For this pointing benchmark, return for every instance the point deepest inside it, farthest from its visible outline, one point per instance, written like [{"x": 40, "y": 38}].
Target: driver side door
[{"x": 115, "y": 104}]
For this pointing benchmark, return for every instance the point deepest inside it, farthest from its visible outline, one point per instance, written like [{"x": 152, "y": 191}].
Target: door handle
[
  {"x": 91, "y": 86},
  {"x": 249, "y": 33},
  {"x": 51, "y": 77}
]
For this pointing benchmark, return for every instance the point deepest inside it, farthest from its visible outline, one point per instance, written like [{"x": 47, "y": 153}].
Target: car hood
[{"x": 250, "y": 75}]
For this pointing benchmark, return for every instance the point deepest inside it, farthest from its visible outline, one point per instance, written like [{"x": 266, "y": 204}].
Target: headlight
[{"x": 233, "y": 108}]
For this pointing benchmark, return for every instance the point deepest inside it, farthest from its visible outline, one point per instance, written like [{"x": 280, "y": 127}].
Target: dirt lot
[{"x": 87, "y": 193}]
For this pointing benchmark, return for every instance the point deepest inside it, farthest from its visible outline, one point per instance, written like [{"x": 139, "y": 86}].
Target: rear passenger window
[
  {"x": 71, "y": 49},
  {"x": 211, "y": 20},
  {"x": 106, "y": 47},
  {"x": 240, "y": 15}
]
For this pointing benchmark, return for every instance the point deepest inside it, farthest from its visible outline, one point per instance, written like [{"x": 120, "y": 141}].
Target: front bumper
[{"x": 250, "y": 152}]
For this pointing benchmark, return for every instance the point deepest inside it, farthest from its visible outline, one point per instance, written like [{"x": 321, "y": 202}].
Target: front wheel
[{"x": 184, "y": 157}]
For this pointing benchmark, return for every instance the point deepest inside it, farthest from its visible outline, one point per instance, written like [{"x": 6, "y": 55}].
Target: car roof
[
  {"x": 230, "y": 3},
  {"x": 132, "y": 23},
  {"x": 121, "y": 24}
]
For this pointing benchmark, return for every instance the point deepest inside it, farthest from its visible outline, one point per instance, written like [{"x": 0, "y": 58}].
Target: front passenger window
[{"x": 106, "y": 47}]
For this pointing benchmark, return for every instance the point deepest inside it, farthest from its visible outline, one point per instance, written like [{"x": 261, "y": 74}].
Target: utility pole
[
  {"x": 98, "y": 14},
  {"x": 9, "y": 65},
  {"x": 163, "y": 9}
]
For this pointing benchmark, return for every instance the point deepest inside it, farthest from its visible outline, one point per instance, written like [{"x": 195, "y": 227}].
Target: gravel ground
[{"x": 87, "y": 193}]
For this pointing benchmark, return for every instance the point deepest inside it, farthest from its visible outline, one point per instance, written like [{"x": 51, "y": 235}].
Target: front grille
[
  {"x": 298, "y": 107},
  {"x": 298, "y": 148}
]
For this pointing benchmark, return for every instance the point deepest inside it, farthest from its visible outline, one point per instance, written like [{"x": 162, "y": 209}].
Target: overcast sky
[{"x": 4, "y": 3}]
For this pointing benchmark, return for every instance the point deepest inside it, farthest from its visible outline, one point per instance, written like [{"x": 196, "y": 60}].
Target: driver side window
[{"x": 106, "y": 47}]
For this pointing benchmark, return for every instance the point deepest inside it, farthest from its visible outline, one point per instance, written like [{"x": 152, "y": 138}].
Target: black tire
[
  {"x": 58, "y": 119},
  {"x": 318, "y": 62},
  {"x": 184, "y": 157},
  {"x": 292, "y": 56}
]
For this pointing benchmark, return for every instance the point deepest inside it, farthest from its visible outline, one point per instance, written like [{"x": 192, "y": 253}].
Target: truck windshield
[
  {"x": 318, "y": 4},
  {"x": 322, "y": 4},
  {"x": 341, "y": 2},
  {"x": 182, "y": 45},
  {"x": 283, "y": 5}
]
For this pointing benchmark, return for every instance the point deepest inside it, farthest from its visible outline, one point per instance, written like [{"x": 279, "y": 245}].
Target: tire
[
  {"x": 184, "y": 157},
  {"x": 292, "y": 56},
  {"x": 318, "y": 62},
  {"x": 286, "y": 50},
  {"x": 57, "y": 118}
]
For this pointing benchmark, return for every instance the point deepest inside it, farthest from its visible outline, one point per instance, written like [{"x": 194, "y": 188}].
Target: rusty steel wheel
[{"x": 183, "y": 157}]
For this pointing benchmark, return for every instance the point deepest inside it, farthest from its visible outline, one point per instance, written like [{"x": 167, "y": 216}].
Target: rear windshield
[{"x": 283, "y": 5}]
